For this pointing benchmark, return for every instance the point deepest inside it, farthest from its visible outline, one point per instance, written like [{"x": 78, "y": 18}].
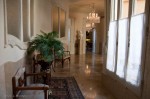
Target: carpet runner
[{"x": 64, "y": 88}]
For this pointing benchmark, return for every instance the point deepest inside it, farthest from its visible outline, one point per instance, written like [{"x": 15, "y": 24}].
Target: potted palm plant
[{"x": 46, "y": 44}]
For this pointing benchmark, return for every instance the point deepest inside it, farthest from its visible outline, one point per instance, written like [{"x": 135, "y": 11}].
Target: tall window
[
  {"x": 135, "y": 49},
  {"x": 112, "y": 46},
  {"x": 125, "y": 43},
  {"x": 122, "y": 47}
]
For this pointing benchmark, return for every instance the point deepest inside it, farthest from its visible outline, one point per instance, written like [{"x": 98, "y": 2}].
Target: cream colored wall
[
  {"x": 8, "y": 54},
  {"x": 10, "y": 70},
  {"x": 2, "y": 83},
  {"x": 12, "y": 57}
]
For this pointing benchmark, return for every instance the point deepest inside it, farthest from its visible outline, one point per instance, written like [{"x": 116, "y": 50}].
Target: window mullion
[
  {"x": 128, "y": 43},
  {"x": 118, "y": 16}
]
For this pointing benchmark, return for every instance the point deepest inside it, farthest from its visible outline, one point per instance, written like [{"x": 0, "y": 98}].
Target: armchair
[
  {"x": 65, "y": 56},
  {"x": 23, "y": 91}
]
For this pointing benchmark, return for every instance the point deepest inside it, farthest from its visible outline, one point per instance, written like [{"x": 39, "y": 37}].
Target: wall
[
  {"x": 43, "y": 17},
  {"x": 100, "y": 36},
  {"x": 10, "y": 70},
  {"x": 7, "y": 54},
  {"x": 12, "y": 56},
  {"x": 118, "y": 89},
  {"x": 146, "y": 87}
]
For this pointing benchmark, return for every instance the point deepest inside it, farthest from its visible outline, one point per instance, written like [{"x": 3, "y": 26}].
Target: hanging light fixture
[
  {"x": 90, "y": 26},
  {"x": 93, "y": 16}
]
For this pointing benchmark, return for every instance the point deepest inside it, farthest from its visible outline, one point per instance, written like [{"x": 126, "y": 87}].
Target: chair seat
[{"x": 32, "y": 94}]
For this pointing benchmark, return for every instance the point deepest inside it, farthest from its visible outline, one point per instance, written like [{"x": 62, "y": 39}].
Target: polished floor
[{"x": 87, "y": 70}]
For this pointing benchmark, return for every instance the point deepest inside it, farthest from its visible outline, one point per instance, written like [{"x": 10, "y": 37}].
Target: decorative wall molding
[{"x": 14, "y": 41}]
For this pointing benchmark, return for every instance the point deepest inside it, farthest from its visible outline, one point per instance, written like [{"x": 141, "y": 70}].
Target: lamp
[{"x": 93, "y": 16}]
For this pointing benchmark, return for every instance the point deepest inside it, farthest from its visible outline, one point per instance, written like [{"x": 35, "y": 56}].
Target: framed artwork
[
  {"x": 62, "y": 22},
  {"x": 59, "y": 21},
  {"x": 55, "y": 15}
]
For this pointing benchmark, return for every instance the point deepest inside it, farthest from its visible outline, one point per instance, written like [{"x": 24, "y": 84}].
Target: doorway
[{"x": 89, "y": 41}]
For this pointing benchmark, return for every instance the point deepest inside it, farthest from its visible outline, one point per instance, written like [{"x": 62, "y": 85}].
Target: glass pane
[
  {"x": 122, "y": 46},
  {"x": 111, "y": 52},
  {"x": 135, "y": 50},
  {"x": 139, "y": 6},
  {"x": 124, "y": 8}
]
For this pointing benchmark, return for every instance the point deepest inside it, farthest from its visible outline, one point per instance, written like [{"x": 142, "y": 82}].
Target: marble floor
[{"x": 87, "y": 70}]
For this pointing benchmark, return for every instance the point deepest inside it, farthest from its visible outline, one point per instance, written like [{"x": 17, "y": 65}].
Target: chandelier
[
  {"x": 93, "y": 16},
  {"x": 90, "y": 26}
]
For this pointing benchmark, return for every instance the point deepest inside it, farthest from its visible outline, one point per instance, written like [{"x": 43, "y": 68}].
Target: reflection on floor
[{"x": 87, "y": 70}]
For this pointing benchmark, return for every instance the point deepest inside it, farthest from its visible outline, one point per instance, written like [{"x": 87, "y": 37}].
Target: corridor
[{"x": 87, "y": 70}]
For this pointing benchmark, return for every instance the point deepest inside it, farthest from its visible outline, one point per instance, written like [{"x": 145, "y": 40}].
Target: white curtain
[
  {"x": 122, "y": 46},
  {"x": 111, "y": 52},
  {"x": 135, "y": 49}
]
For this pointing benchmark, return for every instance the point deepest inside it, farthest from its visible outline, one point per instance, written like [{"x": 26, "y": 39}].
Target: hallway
[{"x": 87, "y": 70}]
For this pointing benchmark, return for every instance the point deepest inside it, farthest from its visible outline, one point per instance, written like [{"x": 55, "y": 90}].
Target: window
[
  {"x": 122, "y": 47},
  {"x": 125, "y": 44},
  {"x": 111, "y": 46},
  {"x": 139, "y": 6},
  {"x": 134, "y": 59},
  {"x": 124, "y": 8}
]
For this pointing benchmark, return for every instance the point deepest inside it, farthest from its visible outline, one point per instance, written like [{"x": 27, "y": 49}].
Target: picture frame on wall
[
  {"x": 62, "y": 22},
  {"x": 55, "y": 16}
]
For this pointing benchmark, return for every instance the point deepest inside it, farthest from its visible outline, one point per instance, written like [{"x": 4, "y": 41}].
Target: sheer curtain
[
  {"x": 122, "y": 46},
  {"x": 135, "y": 49},
  {"x": 111, "y": 52}
]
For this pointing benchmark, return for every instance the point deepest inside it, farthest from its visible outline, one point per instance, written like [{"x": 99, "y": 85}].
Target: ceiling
[{"x": 84, "y": 6}]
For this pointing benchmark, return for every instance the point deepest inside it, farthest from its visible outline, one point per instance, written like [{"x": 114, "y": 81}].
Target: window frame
[{"x": 135, "y": 89}]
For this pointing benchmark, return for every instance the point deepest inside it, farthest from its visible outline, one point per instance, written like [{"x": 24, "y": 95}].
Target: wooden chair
[
  {"x": 23, "y": 91},
  {"x": 65, "y": 56}
]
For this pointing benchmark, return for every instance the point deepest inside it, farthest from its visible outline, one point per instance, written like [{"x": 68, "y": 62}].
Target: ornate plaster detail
[{"x": 14, "y": 41}]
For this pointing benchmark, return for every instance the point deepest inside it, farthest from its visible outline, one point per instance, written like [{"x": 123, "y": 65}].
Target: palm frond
[{"x": 44, "y": 43}]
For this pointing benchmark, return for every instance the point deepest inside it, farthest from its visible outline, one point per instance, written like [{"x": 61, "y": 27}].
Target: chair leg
[
  {"x": 45, "y": 94},
  {"x": 62, "y": 63}
]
